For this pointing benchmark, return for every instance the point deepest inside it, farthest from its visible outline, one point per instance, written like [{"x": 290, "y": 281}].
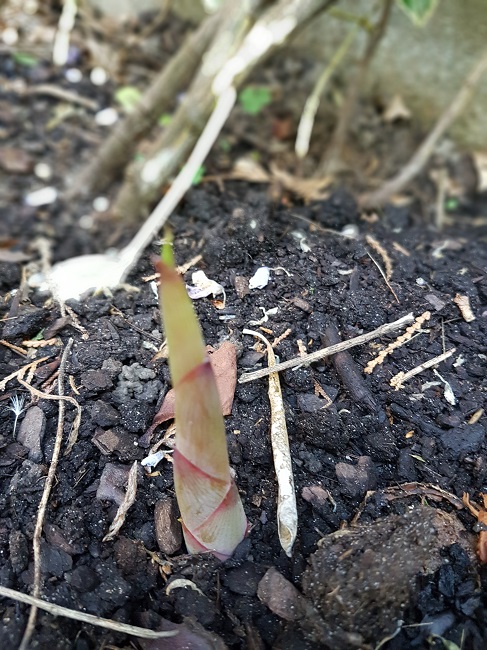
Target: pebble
[
  {"x": 465, "y": 439},
  {"x": 44, "y": 196},
  {"x": 96, "y": 380},
  {"x": 169, "y": 534},
  {"x": 104, "y": 414},
  {"x": 31, "y": 432},
  {"x": 243, "y": 580},
  {"x": 355, "y": 480}
]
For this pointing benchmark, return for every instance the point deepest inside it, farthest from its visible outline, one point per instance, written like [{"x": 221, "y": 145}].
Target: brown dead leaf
[
  {"x": 15, "y": 161},
  {"x": 480, "y": 163},
  {"x": 309, "y": 189},
  {"x": 396, "y": 110},
  {"x": 224, "y": 365}
]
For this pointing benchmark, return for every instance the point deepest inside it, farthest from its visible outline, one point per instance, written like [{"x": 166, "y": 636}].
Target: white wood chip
[
  {"x": 287, "y": 514},
  {"x": 124, "y": 507}
]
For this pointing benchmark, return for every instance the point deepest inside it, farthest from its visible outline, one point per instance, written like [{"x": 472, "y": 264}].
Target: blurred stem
[
  {"x": 312, "y": 103},
  {"x": 422, "y": 154},
  {"x": 334, "y": 153}
]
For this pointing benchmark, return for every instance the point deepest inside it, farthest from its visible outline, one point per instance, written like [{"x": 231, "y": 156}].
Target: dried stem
[
  {"x": 57, "y": 610},
  {"x": 326, "y": 352},
  {"x": 36, "y": 542},
  {"x": 118, "y": 149},
  {"x": 420, "y": 158},
  {"x": 237, "y": 49},
  {"x": 333, "y": 154}
]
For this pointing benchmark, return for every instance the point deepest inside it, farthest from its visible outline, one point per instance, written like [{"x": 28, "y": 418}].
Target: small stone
[
  {"x": 280, "y": 596},
  {"x": 355, "y": 480},
  {"x": 244, "y": 580},
  {"x": 15, "y": 161},
  {"x": 84, "y": 579},
  {"x": 104, "y": 414},
  {"x": 31, "y": 432},
  {"x": 316, "y": 495},
  {"x": 465, "y": 439},
  {"x": 242, "y": 286},
  {"x": 120, "y": 442},
  {"x": 54, "y": 561},
  {"x": 168, "y": 529},
  {"x": 44, "y": 196},
  {"x": 113, "y": 478},
  {"x": 310, "y": 403},
  {"x": 96, "y": 380}
]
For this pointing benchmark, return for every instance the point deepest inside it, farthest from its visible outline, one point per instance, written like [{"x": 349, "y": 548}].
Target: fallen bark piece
[
  {"x": 463, "y": 304},
  {"x": 169, "y": 533},
  {"x": 287, "y": 514}
]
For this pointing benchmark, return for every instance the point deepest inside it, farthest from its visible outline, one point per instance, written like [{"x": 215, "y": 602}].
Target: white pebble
[
  {"x": 106, "y": 117},
  {"x": 98, "y": 76},
  {"x": 73, "y": 75},
  {"x": 43, "y": 171},
  {"x": 44, "y": 196},
  {"x": 10, "y": 36},
  {"x": 101, "y": 204}
]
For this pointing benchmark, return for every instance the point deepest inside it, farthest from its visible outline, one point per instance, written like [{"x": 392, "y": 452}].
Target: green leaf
[
  {"x": 39, "y": 336},
  {"x": 253, "y": 99},
  {"x": 419, "y": 11},
  {"x": 199, "y": 175},
  {"x": 22, "y": 58},
  {"x": 165, "y": 119},
  {"x": 128, "y": 97}
]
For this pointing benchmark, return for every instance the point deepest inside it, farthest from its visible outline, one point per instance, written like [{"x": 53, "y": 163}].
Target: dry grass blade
[
  {"x": 57, "y": 610},
  {"x": 21, "y": 372},
  {"x": 126, "y": 504},
  {"x": 287, "y": 515}
]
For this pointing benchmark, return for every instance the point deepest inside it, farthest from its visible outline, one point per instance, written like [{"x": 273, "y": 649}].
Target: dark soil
[{"x": 406, "y": 564}]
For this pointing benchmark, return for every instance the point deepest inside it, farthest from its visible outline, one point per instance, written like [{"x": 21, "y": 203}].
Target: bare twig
[
  {"x": 57, "y": 610},
  {"x": 384, "y": 275},
  {"x": 126, "y": 504},
  {"x": 241, "y": 47},
  {"x": 36, "y": 542},
  {"x": 312, "y": 103},
  {"x": 64, "y": 95},
  {"x": 333, "y": 154},
  {"x": 418, "y": 161},
  {"x": 118, "y": 149},
  {"x": 326, "y": 352}
]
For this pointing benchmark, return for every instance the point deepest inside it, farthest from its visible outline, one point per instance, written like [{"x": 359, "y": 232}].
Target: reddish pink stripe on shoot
[{"x": 211, "y": 510}]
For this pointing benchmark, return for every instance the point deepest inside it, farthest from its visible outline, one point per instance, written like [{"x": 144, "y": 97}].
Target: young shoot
[
  {"x": 17, "y": 408},
  {"x": 212, "y": 514}
]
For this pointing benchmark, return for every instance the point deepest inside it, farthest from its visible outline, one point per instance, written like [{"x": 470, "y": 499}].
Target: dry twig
[
  {"x": 57, "y": 610},
  {"x": 36, "y": 542},
  {"x": 333, "y": 154},
  {"x": 126, "y": 504},
  {"x": 326, "y": 352}
]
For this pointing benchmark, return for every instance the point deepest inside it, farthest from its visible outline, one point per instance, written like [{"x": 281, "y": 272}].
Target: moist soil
[
  {"x": 385, "y": 549},
  {"x": 346, "y": 443}
]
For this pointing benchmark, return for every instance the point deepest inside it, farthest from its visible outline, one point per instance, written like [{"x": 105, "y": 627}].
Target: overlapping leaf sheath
[{"x": 211, "y": 511}]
